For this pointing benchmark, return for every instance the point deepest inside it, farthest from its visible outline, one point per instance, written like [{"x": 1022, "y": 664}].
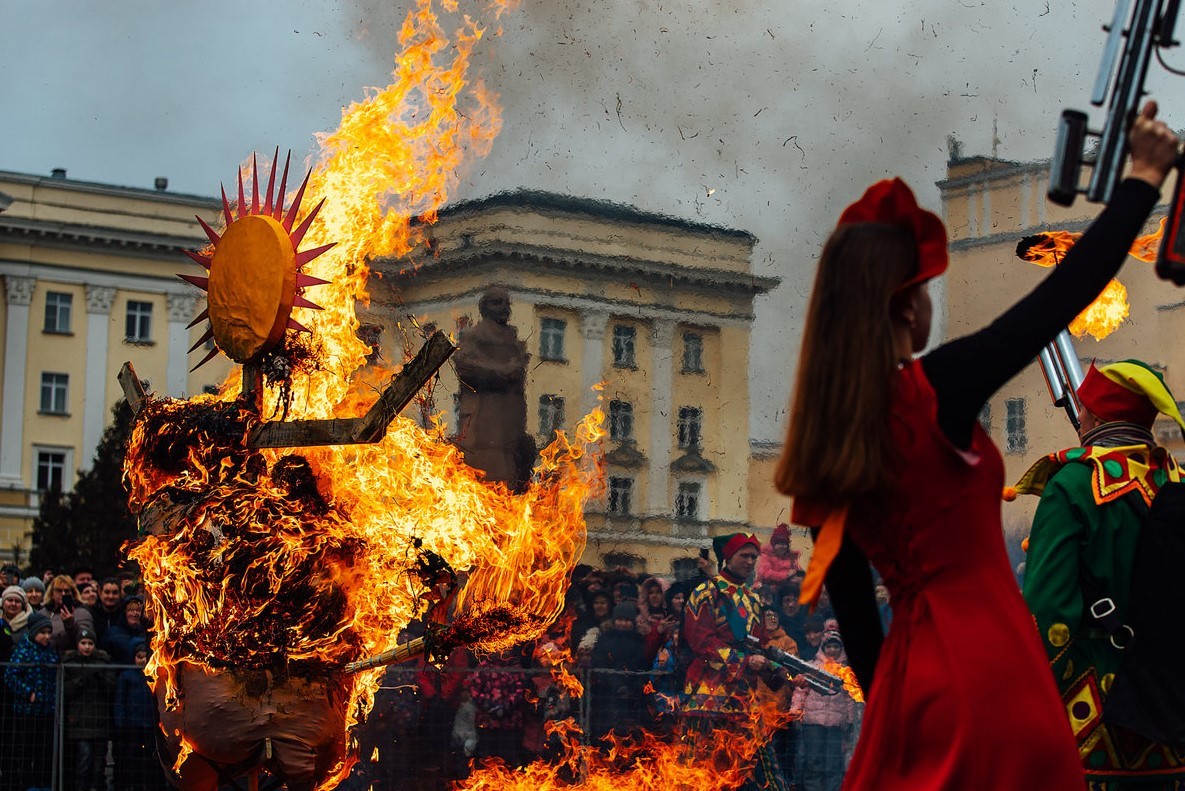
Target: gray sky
[{"x": 784, "y": 110}]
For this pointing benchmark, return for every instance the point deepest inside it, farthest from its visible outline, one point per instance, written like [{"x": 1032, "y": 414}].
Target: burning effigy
[{"x": 294, "y": 523}]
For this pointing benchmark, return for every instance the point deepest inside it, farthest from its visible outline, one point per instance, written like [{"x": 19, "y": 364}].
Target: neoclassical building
[
  {"x": 658, "y": 310},
  {"x": 89, "y": 274}
]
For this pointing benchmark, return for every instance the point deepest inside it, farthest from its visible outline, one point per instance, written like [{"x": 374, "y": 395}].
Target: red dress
[{"x": 962, "y": 697}]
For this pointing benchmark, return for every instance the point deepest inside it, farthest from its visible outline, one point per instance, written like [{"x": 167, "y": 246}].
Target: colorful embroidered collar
[{"x": 1115, "y": 471}]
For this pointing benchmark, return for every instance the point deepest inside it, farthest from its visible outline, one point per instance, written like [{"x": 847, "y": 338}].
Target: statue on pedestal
[{"x": 492, "y": 366}]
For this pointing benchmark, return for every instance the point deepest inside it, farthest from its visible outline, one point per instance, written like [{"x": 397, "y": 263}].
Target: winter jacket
[
  {"x": 65, "y": 633},
  {"x": 135, "y": 706},
  {"x": 88, "y": 683},
  {"x": 121, "y": 640},
  {"x": 774, "y": 571},
  {"x": 39, "y": 679},
  {"x": 831, "y": 711}
]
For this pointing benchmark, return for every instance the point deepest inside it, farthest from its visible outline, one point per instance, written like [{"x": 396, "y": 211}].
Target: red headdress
[{"x": 892, "y": 202}]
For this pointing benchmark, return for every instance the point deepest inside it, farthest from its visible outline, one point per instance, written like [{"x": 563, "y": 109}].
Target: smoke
[{"x": 765, "y": 115}]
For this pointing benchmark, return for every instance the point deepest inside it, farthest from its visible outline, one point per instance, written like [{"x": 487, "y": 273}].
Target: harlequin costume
[
  {"x": 718, "y": 616},
  {"x": 1094, "y": 500},
  {"x": 959, "y": 693}
]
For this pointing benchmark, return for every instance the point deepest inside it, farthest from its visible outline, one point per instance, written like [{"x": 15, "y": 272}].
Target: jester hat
[{"x": 1130, "y": 391}]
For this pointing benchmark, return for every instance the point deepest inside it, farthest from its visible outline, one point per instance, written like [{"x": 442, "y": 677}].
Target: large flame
[
  {"x": 1108, "y": 311},
  {"x": 313, "y": 559}
]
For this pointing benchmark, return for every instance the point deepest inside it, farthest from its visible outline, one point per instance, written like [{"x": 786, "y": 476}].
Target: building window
[
  {"x": 1017, "y": 436},
  {"x": 621, "y": 491},
  {"x": 54, "y": 389},
  {"x": 621, "y": 420},
  {"x": 139, "y": 322},
  {"x": 624, "y": 337},
  {"x": 985, "y": 417},
  {"x": 551, "y": 339},
  {"x": 693, "y": 353},
  {"x": 551, "y": 414},
  {"x": 51, "y": 470},
  {"x": 690, "y": 427},
  {"x": 687, "y": 501},
  {"x": 58, "y": 305}
]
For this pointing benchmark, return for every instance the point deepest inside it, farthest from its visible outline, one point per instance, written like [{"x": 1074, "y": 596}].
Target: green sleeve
[{"x": 1052, "y": 585}]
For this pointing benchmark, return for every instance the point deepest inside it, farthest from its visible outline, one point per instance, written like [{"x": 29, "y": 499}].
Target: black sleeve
[
  {"x": 853, "y": 597},
  {"x": 966, "y": 371}
]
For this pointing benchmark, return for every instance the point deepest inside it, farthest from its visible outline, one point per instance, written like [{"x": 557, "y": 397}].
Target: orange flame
[
  {"x": 1108, "y": 311},
  {"x": 714, "y": 758},
  {"x": 247, "y": 565},
  {"x": 850, "y": 685}
]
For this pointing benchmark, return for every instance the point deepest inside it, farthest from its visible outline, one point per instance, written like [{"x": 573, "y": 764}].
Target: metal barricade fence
[{"x": 425, "y": 731}]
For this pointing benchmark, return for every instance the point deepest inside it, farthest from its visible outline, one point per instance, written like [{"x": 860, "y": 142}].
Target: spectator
[
  {"x": 47, "y": 576},
  {"x": 668, "y": 656},
  {"x": 652, "y": 607},
  {"x": 616, "y": 696},
  {"x": 66, "y": 614},
  {"x": 775, "y": 635},
  {"x": 121, "y": 638},
  {"x": 82, "y": 575},
  {"x": 136, "y": 766},
  {"x": 600, "y": 608},
  {"x": 791, "y": 615},
  {"x": 625, "y": 591},
  {"x": 826, "y": 726},
  {"x": 883, "y": 607},
  {"x": 34, "y": 591},
  {"x": 31, "y": 680},
  {"x": 16, "y": 612},
  {"x": 777, "y": 561},
  {"x": 88, "y": 594},
  {"x": 88, "y": 685},
  {"x": 129, "y": 585},
  {"x": 109, "y": 609},
  {"x": 499, "y": 694},
  {"x": 813, "y": 633},
  {"x": 9, "y": 575}
]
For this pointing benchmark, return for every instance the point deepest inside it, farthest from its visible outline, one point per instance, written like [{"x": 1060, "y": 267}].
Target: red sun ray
[
  {"x": 295, "y": 207},
  {"x": 254, "y": 183},
  {"x": 213, "y": 353},
  {"x": 199, "y": 258},
  {"x": 207, "y": 335},
  {"x": 210, "y": 232},
  {"x": 271, "y": 182},
  {"x": 205, "y": 314},
  {"x": 304, "y": 257},
  {"x": 303, "y": 228},
  {"x": 293, "y": 324},
  {"x": 226, "y": 208},
  {"x": 307, "y": 281},
  {"x": 242, "y": 209},
  {"x": 279, "y": 211},
  {"x": 201, "y": 282},
  {"x": 301, "y": 302}
]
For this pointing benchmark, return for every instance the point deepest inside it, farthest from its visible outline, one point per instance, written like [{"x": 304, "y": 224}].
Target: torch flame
[{"x": 1108, "y": 311}]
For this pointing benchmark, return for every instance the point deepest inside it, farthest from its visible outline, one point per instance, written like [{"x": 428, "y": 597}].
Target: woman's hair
[
  {"x": 65, "y": 583},
  {"x": 838, "y": 446}
]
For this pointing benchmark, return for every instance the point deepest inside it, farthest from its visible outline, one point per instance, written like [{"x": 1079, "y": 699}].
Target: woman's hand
[{"x": 1153, "y": 147}]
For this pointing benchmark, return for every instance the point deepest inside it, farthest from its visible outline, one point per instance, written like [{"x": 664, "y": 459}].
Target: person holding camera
[{"x": 63, "y": 606}]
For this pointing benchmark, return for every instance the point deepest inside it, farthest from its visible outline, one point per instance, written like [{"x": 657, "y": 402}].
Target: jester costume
[
  {"x": 1094, "y": 500},
  {"x": 720, "y": 614}
]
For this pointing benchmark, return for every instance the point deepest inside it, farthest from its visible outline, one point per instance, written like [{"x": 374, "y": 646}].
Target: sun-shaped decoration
[{"x": 254, "y": 277}]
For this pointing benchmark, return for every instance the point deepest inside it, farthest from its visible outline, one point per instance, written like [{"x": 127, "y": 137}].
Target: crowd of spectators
[
  {"x": 90, "y": 636},
  {"x": 620, "y": 633}
]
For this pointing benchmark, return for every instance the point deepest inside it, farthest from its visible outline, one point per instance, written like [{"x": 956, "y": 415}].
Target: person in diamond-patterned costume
[{"x": 721, "y": 680}]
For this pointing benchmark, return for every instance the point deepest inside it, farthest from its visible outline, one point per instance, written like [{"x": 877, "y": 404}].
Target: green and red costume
[{"x": 1083, "y": 542}]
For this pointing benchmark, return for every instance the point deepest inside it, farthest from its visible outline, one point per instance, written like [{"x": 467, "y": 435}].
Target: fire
[
  {"x": 307, "y": 560},
  {"x": 715, "y": 759},
  {"x": 850, "y": 685},
  {"x": 1105, "y": 314}
]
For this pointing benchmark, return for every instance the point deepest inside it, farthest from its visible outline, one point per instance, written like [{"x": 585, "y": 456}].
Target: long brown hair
[{"x": 838, "y": 445}]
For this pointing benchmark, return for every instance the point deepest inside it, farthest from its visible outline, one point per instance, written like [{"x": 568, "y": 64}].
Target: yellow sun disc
[{"x": 252, "y": 287}]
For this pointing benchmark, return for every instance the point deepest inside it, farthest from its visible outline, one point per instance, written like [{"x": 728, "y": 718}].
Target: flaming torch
[{"x": 1059, "y": 361}]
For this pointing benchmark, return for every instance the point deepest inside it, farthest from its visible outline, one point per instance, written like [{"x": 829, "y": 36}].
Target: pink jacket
[
  {"x": 773, "y": 570},
  {"x": 831, "y": 711}
]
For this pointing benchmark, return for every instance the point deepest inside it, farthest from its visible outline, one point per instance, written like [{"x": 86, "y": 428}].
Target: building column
[
  {"x": 592, "y": 360},
  {"x": 94, "y": 400},
  {"x": 19, "y": 293},
  {"x": 658, "y": 499},
  {"x": 181, "y": 310}
]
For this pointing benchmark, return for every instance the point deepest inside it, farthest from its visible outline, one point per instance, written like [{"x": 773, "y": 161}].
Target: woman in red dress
[{"x": 885, "y": 458}]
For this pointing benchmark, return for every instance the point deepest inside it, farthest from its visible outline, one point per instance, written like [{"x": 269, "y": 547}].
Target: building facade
[
  {"x": 657, "y": 310},
  {"x": 90, "y": 281},
  {"x": 989, "y": 206}
]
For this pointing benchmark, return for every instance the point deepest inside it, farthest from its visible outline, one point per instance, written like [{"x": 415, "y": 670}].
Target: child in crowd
[
  {"x": 89, "y": 682},
  {"x": 136, "y": 766},
  {"x": 32, "y": 681},
  {"x": 826, "y": 726}
]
